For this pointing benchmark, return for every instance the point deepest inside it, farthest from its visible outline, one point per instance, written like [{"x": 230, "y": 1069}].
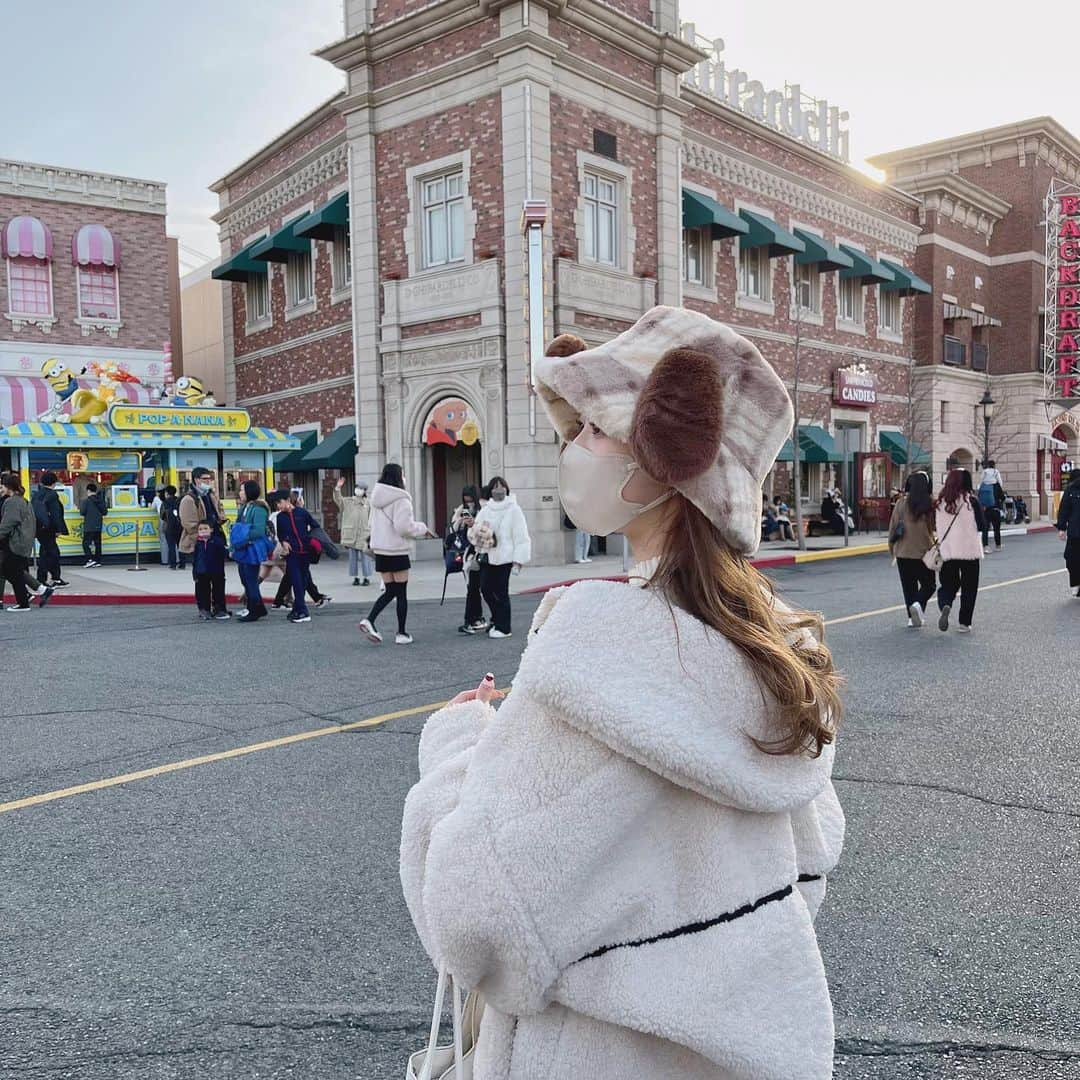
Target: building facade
[
  {"x": 202, "y": 322},
  {"x": 496, "y": 172},
  {"x": 983, "y": 249},
  {"x": 84, "y": 281}
]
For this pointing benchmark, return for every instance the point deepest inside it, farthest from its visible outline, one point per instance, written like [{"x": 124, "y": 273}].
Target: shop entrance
[
  {"x": 849, "y": 443},
  {"x": 453, "y": 440}
]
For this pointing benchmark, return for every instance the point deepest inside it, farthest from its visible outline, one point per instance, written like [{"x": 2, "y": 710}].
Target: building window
[
  {"x": 258, "y": 298},
  {"x": 29, "y": 286},
  {"x": 944, "y": 418},
  {"x": 300, "y": 287},
  {"x": 98, "y": 293},
  {"x": 889, "y": 311},
  {"x": 443, "y": 204},
  {"x": 755, "y": 277},
  {"x": 849, "y": 301},
  {"x": 808, "y": 289},
  {"x": 697, "y": 246},
  {"x": 955, "y": 351},
  {"x": 601, "y": 219},
  {"x": 980, "y": 356},
  {"x": 342, "y": 257}
]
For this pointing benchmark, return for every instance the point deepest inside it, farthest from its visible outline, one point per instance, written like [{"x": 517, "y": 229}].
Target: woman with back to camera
[
  {"x": 393, "y": 530},
  {"x": 910, "y": 538},
  {"x": 1068, "y": 525},
  {"x": 958, "y": 525},
  {"x": 626, "y": 859}
]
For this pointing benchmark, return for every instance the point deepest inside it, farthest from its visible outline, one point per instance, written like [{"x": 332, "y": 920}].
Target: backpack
[
  {"x": 987, "y": 496},
  {"x": 41, "y": 512}
]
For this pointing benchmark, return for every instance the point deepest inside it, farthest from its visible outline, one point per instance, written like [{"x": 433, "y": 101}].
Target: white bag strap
[
  {"x": 436, "y": 1020},
  {"x": 458, "y": 1055}
]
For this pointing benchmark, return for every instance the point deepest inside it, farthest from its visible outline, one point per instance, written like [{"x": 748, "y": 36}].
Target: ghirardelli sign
[{"x": 856, "y": 389}]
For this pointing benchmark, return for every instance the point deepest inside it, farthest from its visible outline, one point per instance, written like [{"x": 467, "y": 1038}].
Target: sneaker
[
  {"x": 366, "y": 581},
  {"x": 88, "y": 564},
  {"x": 586, "y": 559},
  {"x": 17, "y": 607},
  {"x": 481, "y": 626},
  {"x": 370, "y": 632},
  {"x": 916, "y": 613},
  {"x": 222, "y": 616},
  {"x": 294, "y": 618},
  {"x": 279, "y": 607},
  {"x": 998, "y": 548},
  {"x": 242, "y": 613},
  {"x": 356, "y": 581},
  {"x": 95, "y": 563},
  {"x": 986, "y": 551},
  {"x": 403, "y": 639},
  {"x": 43, "y": 595},
  {"x": 493, "y": 633},
  {"x": 465, "y": 630},
  {"x": 910, "y": 624},
  {"x": 60, "y": 583},
  {"x": 324, "y": 601},
  {"x": 943, "y": 620},
  {"x": 205, "y": 616},
  {"x": 247, "y": 616},
  {"x": 963, "y": 629}
]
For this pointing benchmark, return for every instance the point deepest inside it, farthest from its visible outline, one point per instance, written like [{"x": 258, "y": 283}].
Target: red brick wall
[
  {"x": 636, "y": 149},
  {"x": 600, "y": 322},
  {"x": 636, "y": 9},
  {"x": 327, "y": 129},
  {"x": 429, "y": 55},
  {"x": 312, "y": 362},
  {"x": 388, "y": 10},
  {"x": 476, "y": 127},
  {"x": 441, "y": 326},
  {"x": 603, "y": 53},
  {"x": 143, "y": 276}
]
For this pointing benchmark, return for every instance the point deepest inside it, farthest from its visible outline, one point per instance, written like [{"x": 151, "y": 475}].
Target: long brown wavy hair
[{"x": 701, "y": 574}]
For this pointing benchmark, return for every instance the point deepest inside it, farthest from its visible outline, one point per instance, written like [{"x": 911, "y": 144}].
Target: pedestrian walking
[
  {"x": 510, "y": 548},
  {"x": 93, "y": 510},
  {"x": 992, "y": 501},
  {"x": 459, "y": 554},
  {"x": 17, "y": 533},
  {"x": 355, "y": 525},
  {"x": 208, "y": 569},
  {"x": 283, "y": 597},
  {"x": 1068, "y": 524},
  {"x": 49, "y": 523},
  {"x": 958, "y": 521},
  {"x": 910, "y": 538},
  {"x": 169, "y": 526},
  {"x": 250, "y": 541},
  {"x": 627, "y": 858},
  {"x": 293, "y": 526},
  {"x": 156, "y": 503},
  {"x": 393, "y": 529}
]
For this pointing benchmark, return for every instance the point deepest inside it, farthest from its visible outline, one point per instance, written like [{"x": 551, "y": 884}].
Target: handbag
[
  {"x": 897, "y": 533},
  {"x": 247, "y": 550},
  {"x": 933, "y": 559},
  {"x": 453, "y": 1062}
]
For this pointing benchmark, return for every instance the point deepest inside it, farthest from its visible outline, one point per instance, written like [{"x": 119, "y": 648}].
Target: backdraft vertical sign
[{"x": 1061, "y": 346}]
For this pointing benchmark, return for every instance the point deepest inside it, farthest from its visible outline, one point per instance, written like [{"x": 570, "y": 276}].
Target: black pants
[
  {"x": 992, "y": 518},
  {"x": 495, "y": 587},
  {"x": 474, "y": 608},
  {"x": 1072, "y": 562},
  {"x": 170, "y": 547},
  {"x": 48, "y": 558},
  {"x": 16, "y": 570},
  {"x": 91, "y": 544},
  {"x": 286, "y": 587},
  {"x": 960, "y": 575},
  {"x": 210, "y": 592},
  {"x": 917, "y": 581}
]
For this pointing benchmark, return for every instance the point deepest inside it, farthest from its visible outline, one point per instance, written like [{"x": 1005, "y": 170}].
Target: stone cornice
[
  {"x": 952, "y": 197},
  {"x": 56, "y": 184},
  {"x": 798, "y": 193},
  {"x": 644, "y": 42}
]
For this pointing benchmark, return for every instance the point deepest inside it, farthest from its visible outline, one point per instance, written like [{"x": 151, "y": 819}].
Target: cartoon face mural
[
  {"x": 450, "y": 422},
  {"x": 189, "y": 391}
]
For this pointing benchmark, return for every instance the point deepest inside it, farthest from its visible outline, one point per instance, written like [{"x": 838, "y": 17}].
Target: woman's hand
[
  {"x": 1062, "y": 534},
  {"x": 485, "y": 692},
  {"x": 340, "y": 482}
]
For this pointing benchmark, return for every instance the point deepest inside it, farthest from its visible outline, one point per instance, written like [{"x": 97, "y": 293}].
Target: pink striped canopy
[
  {"x": 94, "y": 245},
  {"x": 22, "y": 398},
  {"x": 26, "y": 236}
]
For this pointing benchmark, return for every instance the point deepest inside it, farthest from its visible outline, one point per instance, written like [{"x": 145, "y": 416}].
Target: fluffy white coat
[
  {"x": 507, "y": 521},
  {"x": 616, "y": 796},
  {"x": 392, "y": 525}
]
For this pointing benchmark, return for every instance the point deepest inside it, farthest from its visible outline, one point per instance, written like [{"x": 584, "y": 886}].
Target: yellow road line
[
  {"x": 374, "y": 721},
  {"x": 840, "y": 553}
]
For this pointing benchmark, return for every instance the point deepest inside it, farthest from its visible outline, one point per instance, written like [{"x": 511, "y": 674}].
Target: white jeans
[{"x": 582, "y": 540}]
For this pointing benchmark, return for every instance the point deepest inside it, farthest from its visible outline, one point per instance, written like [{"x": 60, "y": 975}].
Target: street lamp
[{"x": 987, "y": 404}]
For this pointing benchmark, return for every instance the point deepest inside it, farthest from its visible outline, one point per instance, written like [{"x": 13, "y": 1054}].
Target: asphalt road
[{"x": 242, "y": 918}]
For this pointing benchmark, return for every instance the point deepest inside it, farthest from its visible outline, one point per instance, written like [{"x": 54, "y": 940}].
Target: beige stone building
[{"x": 203, "y": 331}]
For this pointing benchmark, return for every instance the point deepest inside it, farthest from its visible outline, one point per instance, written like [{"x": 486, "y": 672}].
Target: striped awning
[
  {"x": 24, "y": 398},
  {"x": 94, "y": 245},
  {"x": 58, "y": 434},
  {"x": 28, "y": 237}
]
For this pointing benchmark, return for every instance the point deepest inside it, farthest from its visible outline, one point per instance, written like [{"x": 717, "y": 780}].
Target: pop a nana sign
[
  {"x": 192, "y": 421},
  {"x": 810, "y": 120}
]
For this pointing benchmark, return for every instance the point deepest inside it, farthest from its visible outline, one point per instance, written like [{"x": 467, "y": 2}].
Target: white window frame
[
  {"x": 19, "y": 319},
  {"x": 706, "y": 290},
  {"x": 414, "y": 220},
  {"x": 851, "y": 326},
  {"x": 340, "y": 263},
  {"x": 888, "y": 333},
  {"x": 444, "y": 203},
  {"x": 815, "y": 315},
  {"x": 294, "y": 310},
  {"x": 600, "y": 194},
  {"x": 89, "y": 323},
  {"x": 702, "y": 239},
  {"x": 763, "y": 305},
  {"x": 253, "y": 326},
  {"x": 625, "y": 233}
]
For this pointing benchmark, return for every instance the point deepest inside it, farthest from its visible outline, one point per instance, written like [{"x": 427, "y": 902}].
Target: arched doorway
[
  {"x": 452, "y": 442},
  {"x": 961, "y": 458},
  {"x": 1061, "y": 461}
]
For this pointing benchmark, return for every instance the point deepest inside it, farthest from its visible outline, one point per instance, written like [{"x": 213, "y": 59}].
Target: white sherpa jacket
[
  {"x": 507, "y": 521},
  {"x": 611, "y": 861},
  {"x": 392, "y": 524}
]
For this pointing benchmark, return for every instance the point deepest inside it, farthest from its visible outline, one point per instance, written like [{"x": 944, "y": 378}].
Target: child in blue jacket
[{"x": 209, "y": 566}]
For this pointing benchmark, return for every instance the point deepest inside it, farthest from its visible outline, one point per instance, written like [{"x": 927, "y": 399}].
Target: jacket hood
[
  {"x": 659, "y": 687},
  {"x": 384, "y": 495}
]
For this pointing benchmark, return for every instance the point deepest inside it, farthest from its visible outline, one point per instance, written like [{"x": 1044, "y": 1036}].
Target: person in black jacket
[
  {"x": 1068, "y": 523},
  {"x": 459, "y": 554},
  {"x": 170, "y": 526},
  {"x": 293, "y": 528},
  {"x": 49, "y": 515},
  {"x": 93, "y": 510}
]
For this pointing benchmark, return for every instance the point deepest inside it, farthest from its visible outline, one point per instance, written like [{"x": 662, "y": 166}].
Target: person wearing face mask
[
  {"x": 512, "y": 548},
  {"x": 355, "y": 524},
  {"x": 627, "y": 858},
  {"x": 200, "y": 503}
]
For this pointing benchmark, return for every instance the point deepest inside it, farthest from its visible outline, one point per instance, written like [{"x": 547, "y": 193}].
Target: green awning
[
  {"x": 764, "y": 232},
  {"x": 816, "y": 446},
  {"x": 867, "y": 271},
  {"x": 322, "y": 224},
  {"x": 821, "y": 254},
  {"x": 278, "y": 246},
  {"x": 239, "y": 268},
  {"x": 290, "y": 461},
  {"x": 902, "y": 451},
  {"x": 699, "y": 211},
  {"x": 905, "y": 282},
  {"x": 336, "y": 451}
]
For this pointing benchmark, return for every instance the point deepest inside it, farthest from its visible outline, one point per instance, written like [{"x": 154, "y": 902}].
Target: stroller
[{"x": 1016, "y": 511}]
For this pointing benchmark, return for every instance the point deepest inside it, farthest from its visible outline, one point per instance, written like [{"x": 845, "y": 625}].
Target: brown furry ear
[
  {"x": 565, "y": 345},
  {"x": 678, "y": 419}
]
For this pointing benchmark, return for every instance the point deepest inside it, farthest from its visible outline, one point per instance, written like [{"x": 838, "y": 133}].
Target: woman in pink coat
[{"x": 959, "y": 525}]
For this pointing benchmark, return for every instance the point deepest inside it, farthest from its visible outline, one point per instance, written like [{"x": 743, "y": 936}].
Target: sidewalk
[{"x": 120, "y": 584}]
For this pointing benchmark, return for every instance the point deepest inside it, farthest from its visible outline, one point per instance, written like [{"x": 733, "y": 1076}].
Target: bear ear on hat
[
  {"x": 678, "y": 419},
  {"x": 565, "y": 345}
]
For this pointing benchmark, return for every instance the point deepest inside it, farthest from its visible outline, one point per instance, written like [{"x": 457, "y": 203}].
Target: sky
[{"x": 182, "y": 93}]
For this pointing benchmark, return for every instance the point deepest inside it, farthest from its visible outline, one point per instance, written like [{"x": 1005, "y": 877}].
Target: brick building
[
  {"x": 381, "y": 269},
  {"x": 982, "y": 248},
  {"x": 85, "y": 279}
]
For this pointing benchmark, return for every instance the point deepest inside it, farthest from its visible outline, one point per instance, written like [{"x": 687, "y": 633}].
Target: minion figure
[
  {"x": 63, "y": 383},
  {"x": 189, "y": 391}
]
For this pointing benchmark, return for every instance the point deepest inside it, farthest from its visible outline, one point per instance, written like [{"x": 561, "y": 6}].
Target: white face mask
[
  {"x": 360, "y": 491},
  {"x": 591, "y": 487}
]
